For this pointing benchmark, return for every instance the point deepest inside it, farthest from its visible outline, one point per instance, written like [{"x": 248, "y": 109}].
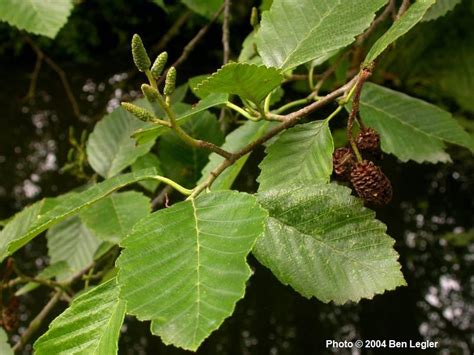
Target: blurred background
[{"x": 430, "y": 217}]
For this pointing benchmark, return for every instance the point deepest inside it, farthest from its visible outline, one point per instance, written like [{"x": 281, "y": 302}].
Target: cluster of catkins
[{"x": 368, "y": 180}]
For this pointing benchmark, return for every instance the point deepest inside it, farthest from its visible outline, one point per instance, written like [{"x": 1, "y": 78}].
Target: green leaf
[
  {"x": 322, "y": 242},
  {"x": 160, "y": 3},
  {"x": 410, "y": 128},
  {"x": 294, "y": 32},
  {"x": 234, "y": 141},
  {"x": 113, "y": 217},
  {"x": 302, "y": 154},
  {"x": 405, "y": 23},
  {"x": 440, "y": 8},
  {"x": 5, "y": 348},
  {"x": 41, "y": 17},
  {"x": 182, "y": 162},
  {"x": 192, "y": 83},
  {"x": 151, "y": 132},
  {"x": 110, "y": 149},
  {"x": 91, "y": 325},
  {"x": 149, "y": 160},
  {"x": 184, "y": 267},
  {"x": 206, "y": 8},
  {"x": 248, "y": 53},
  {"x": 71, "y": 241},
  {"x": 248, "y": 81},
  {"x": 40, "y": 216}
]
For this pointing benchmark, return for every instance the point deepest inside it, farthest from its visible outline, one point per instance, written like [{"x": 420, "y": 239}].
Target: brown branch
[
  {"x": 34, "y": 78},
  {"x": 364, "y": 75},
  {"x": 193, "y": 42},
  {"x": 226, "y": 31},
  {"x": 62, "y": 75},
  {"x": 289, "y": 120},
  {"x": 37, "y": 321},
  {"x": 160, "y": 199},
  {"x": 172, "y": 32},
  {"x": 403, "y": 7}
]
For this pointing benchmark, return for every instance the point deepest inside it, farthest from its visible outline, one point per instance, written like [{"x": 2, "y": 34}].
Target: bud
[
  {"x": 70, "y": 154},
  {"x": 254, "y": 17},
  {"x": 140, "y": 56},
  {"x": 138, "y": 112},
  {"x": 150, "y": 93},
  {"x": 159, "y": 65},
  {"x": 170, "y": 81}
]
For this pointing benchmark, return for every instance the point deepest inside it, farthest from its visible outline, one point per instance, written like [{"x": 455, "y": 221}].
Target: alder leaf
[
  {"x": 113, "y": 217},
  {"x": 151, "y": 132},
  {"x": 410, "y": 129},
  {"x": 302, "y": 154},
  {"x": 38, "y": 217},
  {"x": 294, "y": 32},
  {"x": 72, "y": 242},
  {"x": 405, "y": 23},
  {"x": 91, "y": 325},
  {"x": 237, "y": 139},
  {"x": 184, "y": 267},
  {"x": 110, "y": 149},
  {"x": 41, "y": 17},
  {"x": 249, "y": 81},
  {"x": 440, "y": 8},
  {"x": 321, "y": 241}
]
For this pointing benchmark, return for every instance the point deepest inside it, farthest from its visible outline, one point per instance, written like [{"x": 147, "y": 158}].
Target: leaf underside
[
  {"x": 321, "y": 241},
  {"x": 184, "y": 267},
  {"x": 40, "y": 216},
  {"x": 91, "y": 324},
  {"x": 405, "y": 23},
  {"x": 294, "y": 32},
  {"x": 42, "y": 17},
  {"x": 302, "y": 154},
  {"x": 410, "y": 128}
]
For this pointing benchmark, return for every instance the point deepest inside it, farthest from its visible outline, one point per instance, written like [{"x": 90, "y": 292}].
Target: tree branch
[
  {"x": 193, "y": 42},
  {"x": 226, "y": 31},
  {"x": 62, "y": 75},
  {"x": 37, "y": 321},
  {"x": 289, "y": 120},
  {"x": 172, "y": 32}
]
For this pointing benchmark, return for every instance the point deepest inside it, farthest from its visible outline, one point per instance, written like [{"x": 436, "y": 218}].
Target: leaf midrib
[{"x": 298, "y": 46}]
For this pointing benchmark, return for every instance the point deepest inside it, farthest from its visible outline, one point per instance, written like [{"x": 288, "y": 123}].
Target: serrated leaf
[
  {"x": 440, "y": 8},
  {"x": 149, "y": 160},
  {"x": 71, "y": 241},
  {"x": 110, "y": 149},
  {"x": 410, "y": 128},
  {"x": 113, "y": 217},
  {"x": 42, "y": 17},
  {"x": 405, "y": 23},
  {"x": 322, "y": 242},
  {"x": 302, "y": 154},
  {"x": 294, "y": 32},
  {"x": 234, "y": 141},
  {"x": 206, "y": 8},
  {"x": 151, "y": 132},
  {"x": 182, "y": 162},
  {"x": 91, "y": 325},
  {"x": 40, "y": 216},
  {"x": 184, "y": 267},
  {"x": 248, "y": 81},
  {"x": 5, "y": 348}
]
